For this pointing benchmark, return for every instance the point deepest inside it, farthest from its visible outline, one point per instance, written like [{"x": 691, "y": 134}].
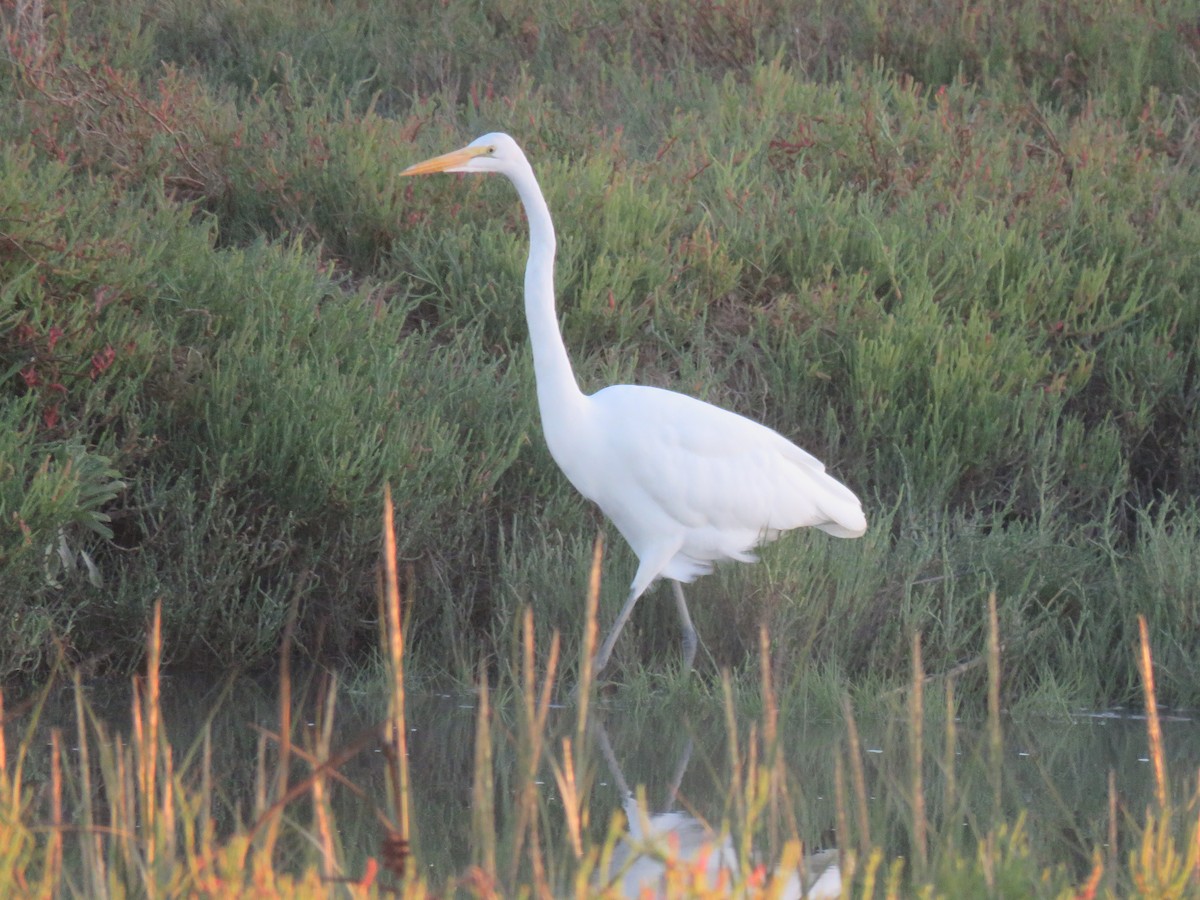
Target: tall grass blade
[
  {"x": 148, "y": 712},
  {"x": 284, "y": 763},
  {"x": 483, "y": 789},
  {"x": 95, "y": 870},
  {"x": 916, "y": 725},
  {"x": 995, "y": 733},
  {"x": 535, "y": 708},
  {"x": 847, "y": 845},
  {"x": 737, "y": 787},
  {"x": 950, "y": 749},
  {"x": 399, "y": 843},
  {"x": 1113, "y": 812},
  {"x": 590, "y": 628},
  {"x": 52, "y": 867},
  {"x": 1153, "y": 724},
  {"x": 573, "y": 799},
  {"x": 858, "y": 777},
  {"x": 777, "y": 791},
  {"x": 322, "y": 813}
]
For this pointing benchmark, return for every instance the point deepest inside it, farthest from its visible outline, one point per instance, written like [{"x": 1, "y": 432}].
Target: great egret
[{"x": 686, "y": 483}]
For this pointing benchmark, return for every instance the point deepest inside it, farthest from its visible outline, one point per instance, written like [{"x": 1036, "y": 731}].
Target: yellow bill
[{"x": 446, "y": 162}]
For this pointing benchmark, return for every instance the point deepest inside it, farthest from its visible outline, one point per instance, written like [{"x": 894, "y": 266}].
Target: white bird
[
  {"x": 640, "y": 858},
  {"x": 686, "y": 483},
  {"x": 655, "y": 841}
]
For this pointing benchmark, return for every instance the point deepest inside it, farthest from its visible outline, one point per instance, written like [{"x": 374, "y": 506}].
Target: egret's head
[{"x": 494, "y": 152}]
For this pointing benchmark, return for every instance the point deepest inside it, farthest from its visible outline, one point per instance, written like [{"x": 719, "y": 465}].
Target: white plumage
[{"x": 686, "y": 483}]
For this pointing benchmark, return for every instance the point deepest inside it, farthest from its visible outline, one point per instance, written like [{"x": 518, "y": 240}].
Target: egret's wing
[{"x": 706, "y": 467}]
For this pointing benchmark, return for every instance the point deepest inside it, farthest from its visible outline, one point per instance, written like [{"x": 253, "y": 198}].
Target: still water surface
[{"x": 1056, "y": 771}]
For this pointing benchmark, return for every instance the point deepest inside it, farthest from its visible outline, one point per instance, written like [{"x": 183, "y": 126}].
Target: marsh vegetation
[
  {"x": 949, "y": 249},
  {"x": 947, "y": 252},
  {"x": 510, "y": 794}
]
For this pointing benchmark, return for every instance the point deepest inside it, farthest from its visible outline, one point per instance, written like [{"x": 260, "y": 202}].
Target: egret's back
[{"x": 697, "y": 484}]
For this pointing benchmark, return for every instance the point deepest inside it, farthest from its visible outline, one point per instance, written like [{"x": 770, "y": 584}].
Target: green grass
[
  {"x": 950, "y": 251},
  {"x": 921, "y": 801}
]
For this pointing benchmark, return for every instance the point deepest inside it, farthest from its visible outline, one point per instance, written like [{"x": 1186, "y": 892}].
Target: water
[{"x": 657, "y": 768}]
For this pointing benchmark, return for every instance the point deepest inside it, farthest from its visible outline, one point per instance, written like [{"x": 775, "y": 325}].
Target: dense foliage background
[{"x": 950, "y": 249}]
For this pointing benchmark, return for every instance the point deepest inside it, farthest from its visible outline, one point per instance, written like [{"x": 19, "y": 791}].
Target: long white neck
[{"x": 558, "y": 393}]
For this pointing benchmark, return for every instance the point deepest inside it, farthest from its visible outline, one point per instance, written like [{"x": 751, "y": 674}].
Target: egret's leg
[
  {"x": 690, "y": 640},
  {"x": 606, "y": 648},
  {"x": 650, "y": 565}
]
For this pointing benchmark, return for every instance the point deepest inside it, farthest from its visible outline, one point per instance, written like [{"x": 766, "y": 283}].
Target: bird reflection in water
[{"x": 639, "y": 859}]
